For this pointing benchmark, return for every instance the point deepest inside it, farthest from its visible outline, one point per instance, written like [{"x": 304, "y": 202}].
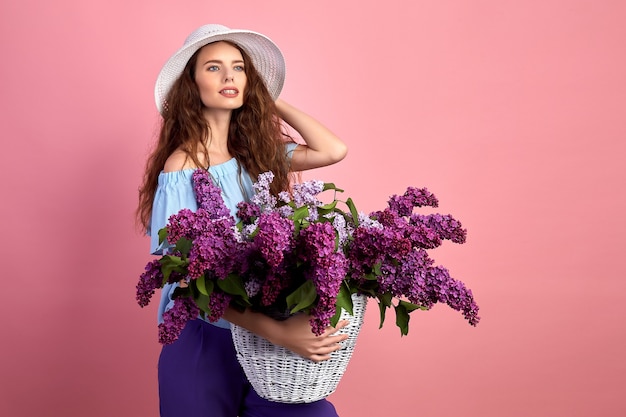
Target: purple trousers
[{"x": 199, "y": 376}]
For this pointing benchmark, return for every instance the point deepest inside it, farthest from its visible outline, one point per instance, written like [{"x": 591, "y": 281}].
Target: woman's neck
[{"x": 217, "y": 142}]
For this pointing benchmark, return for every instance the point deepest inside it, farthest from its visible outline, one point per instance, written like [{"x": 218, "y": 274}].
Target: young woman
[{"x": 218, "y": 96}]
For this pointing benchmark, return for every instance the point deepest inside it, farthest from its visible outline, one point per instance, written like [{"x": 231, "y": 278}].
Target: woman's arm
[
  {"x": 322, "y": 146},
  {"x": 294, "y": 333}
]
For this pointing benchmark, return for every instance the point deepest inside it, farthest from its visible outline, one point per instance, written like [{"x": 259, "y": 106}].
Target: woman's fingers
[{"x": 298, "y": 337}]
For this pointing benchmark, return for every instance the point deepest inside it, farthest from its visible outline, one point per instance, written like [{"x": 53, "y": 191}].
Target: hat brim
[{"x": 265, "y": 55}]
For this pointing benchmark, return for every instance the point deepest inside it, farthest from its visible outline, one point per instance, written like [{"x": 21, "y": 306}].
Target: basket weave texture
[{"x": 279, "y": 375}]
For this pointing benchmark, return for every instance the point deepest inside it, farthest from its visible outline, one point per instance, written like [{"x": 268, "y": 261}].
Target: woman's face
[{"x": 220, "y": 76}]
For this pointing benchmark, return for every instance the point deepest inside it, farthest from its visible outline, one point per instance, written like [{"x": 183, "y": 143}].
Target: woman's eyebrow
[{"x": 219, "y": 61}]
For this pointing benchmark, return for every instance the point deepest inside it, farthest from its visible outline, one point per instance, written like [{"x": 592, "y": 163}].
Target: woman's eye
[
  {"x": 239, "y": 68},
  {"x": 213, "y": 68}
]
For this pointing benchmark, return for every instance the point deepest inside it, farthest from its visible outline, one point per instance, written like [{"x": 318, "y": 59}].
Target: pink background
[{"x": 512, "y": 112}]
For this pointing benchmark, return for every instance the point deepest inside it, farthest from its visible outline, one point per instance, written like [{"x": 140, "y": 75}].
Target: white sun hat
[{"x": 265, "y": 55}]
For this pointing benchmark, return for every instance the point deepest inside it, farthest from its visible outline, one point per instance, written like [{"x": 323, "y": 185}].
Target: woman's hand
[
  {"x": 294, "y": 333},
  {"x": 322, "y": 147}
]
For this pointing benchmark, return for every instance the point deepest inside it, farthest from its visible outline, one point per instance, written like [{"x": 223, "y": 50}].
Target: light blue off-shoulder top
[{"x": 175, "y": 192}]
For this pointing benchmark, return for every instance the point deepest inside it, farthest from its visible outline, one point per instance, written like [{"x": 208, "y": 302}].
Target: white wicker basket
[{"x": 280, "y": 375}]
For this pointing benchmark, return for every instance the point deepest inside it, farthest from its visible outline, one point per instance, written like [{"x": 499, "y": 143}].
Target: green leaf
[
  {"x": 384, "y": 302},
  {"x": 335, "y": 319},
  {"x": 402, "y": 318},
  {"x": 353, "y": 211},
  {"x": 410, "y": 306},
  {"x": 322, "y": 218},
  {"x": 331, "y": 186},
  {"x": 296, "y": 228},
  {"x": 368, "y": 292},
  {"x": 202, "y": 301},
  {"x": 371, "y": 276},
  {"x": 344, "y": 299},
  {"x": 327, "y": 208},
  {"x": 383, "y": 311},
  {"x": 171, "y": 260},
  {"x": 344, "y": 302},
  {"x": 386, "y": 298},
  {"x": 184, "y": 245},
  {"x": 300, "y": 213},
  {"x": 204, "y": 287},
  {"x": 162, "y": 235},
  {"x": 303, "y": 297},
  {"x": 232, "y": 285},
  {"x": 169, "y": 264}
]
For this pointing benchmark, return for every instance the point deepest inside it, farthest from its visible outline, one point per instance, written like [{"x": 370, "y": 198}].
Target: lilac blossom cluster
[
  {"x": 285, "y": 257},
  {"x": 149, "y": 281},
  {"x": 391, "y": 257},
  {"x": 174, "y": 319},
  {"x": 292, "y": 253},
  {"x": 270, "y": 241},
  {"x": 326, "y": 267},
  {"x": 211, "y": 255}
]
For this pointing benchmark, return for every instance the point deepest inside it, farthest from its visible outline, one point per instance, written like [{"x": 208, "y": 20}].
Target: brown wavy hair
[{"x": 256, "y": 137}]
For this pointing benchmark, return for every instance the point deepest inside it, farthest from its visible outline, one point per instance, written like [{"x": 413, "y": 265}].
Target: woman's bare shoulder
[{"x": 178, "y": 161}]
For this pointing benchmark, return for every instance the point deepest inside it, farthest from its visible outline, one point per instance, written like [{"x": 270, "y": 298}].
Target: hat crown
[{"x": 205, "y": 32}]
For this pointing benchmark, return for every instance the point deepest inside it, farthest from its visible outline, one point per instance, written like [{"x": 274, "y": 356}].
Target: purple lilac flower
[
  {"x": 175, "y": 319},
  {"x": 372, "y": 246},
  {"x": 313, "y": 214},
  {"x": 248, "y": 211},
  {"x": 218, "y": 302},
  {"x": 242, "y": 257},
  {"x": 413, "y": 197},
  {"x": 367, "y": 222},
  {"x": 305, "y": 193},
  {"x": 343, "y": 229},
  {"x": 284, "y": 197},
  {"x": 181, "y": 225},
  {"x": 237, "y": 235},
  {"x": 390, "y": 219},
  {"x": 272, "y": 286},
  {"x": 190, "y": 224},
  {"x": 285, "y": 211},
  {"x": 445, "y": 226},
  {"x": 454, "y": 293},
  {"x": 248, "y": 230},
  {"x": 411, "y": 278},
  {"x": 422, "y": 236},
  {"x": 326, "y": 269},
  {"x": 274, "y": 237},
  {"x": 425, "y": 285},
  {"x": 262, "y": 195},
  {"x": 321, "y": 315},
  {"x": 327, "y": 274},
  {"x": 387, "y": 277},
  {"x": 252, "y": 286},
  {"x": 149, "y": 281},
  {"x": 214, "y": 250},
  {"x": 317, "y": 240},
  {"x": 366, "y": 250},
  {"x": 209, "y": 195}
]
